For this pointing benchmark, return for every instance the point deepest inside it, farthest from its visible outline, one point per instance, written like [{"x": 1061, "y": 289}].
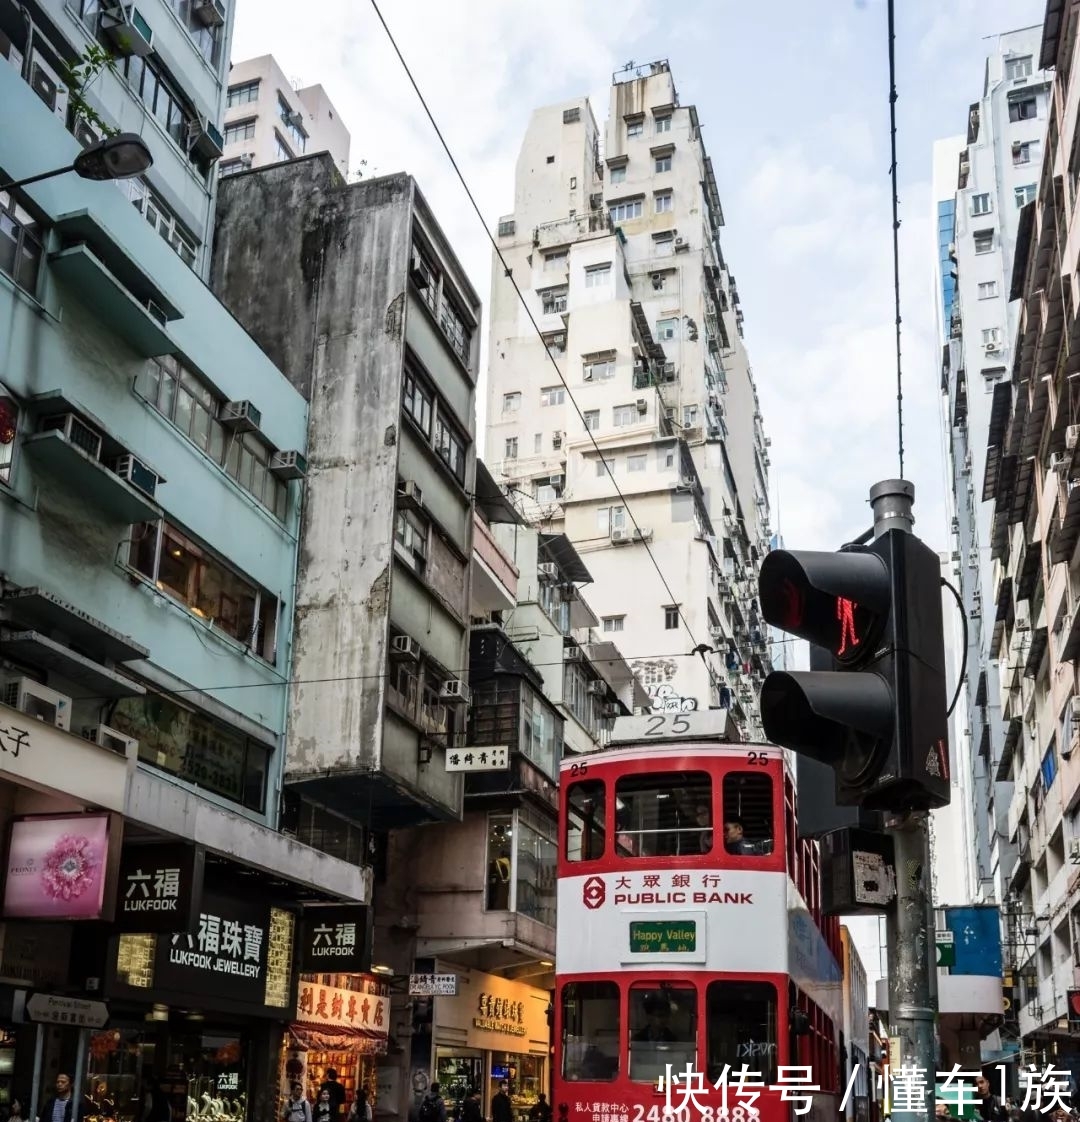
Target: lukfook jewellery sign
[
  {"x": 336, "y": 940},
  {"x": 159, "y": 889}
]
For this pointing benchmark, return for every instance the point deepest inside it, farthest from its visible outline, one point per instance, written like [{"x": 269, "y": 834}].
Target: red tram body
[{"x": 681, "y": 942}]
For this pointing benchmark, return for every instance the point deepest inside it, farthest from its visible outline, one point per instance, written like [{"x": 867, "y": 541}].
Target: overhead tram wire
[
  {"x": 507, "y": 272},
  {"x": 896, "y": 232}
]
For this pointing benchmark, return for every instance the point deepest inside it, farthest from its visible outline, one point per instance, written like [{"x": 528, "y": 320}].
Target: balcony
[{"x": 494, "y": 575}]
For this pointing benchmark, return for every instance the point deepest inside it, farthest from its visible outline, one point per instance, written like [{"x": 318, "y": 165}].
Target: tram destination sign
[{"x": 659, "y": 937}]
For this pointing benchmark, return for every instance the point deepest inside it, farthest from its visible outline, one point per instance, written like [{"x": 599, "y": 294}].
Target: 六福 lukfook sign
[
  {"x": 336, "y": 940},
  {"x": 159, "y": 888}
]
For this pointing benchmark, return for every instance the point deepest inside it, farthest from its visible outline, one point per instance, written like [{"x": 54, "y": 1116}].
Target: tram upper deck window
[
  {"x": 663, "y": 1029},
  {"x": 666, "y": 815},
  {"x": 741, "y": 1028},
  {"x": 590, "y": 1031},
  {"x": 585, "y": 808},
  {"x": 748, "y": 813}
]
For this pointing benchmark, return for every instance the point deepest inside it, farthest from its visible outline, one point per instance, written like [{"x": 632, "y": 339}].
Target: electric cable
[
  {"x": 963, "y": 664},
  {"x": 508, "y": 273}
]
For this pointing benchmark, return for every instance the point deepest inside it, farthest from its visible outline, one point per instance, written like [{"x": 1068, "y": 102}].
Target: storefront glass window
[
  {"x": 524, "y": 1076},
  {"x": 590, "y": 1031},
  {"x": 457, "y": 1073},
  {"x": 663, "y": 1030},
  {"x": 499, "y": 862},
  {"x": 536, "y": 862}
]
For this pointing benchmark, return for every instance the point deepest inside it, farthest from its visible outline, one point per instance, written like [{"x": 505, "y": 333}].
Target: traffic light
[{"x": 877, "y": 715}]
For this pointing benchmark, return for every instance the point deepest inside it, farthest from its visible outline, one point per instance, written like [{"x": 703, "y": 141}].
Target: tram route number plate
[{"x": 658, "y": 937}]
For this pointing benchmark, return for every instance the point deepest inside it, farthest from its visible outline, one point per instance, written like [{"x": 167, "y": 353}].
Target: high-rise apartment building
[
  {"x": 267, "y": 120},
  {"x": 633, "y": 318},
  {"x": 982, "y": 181}
]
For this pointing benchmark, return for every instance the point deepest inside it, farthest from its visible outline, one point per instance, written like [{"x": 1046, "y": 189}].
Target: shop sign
[
  {"x": 336, "y": 940},
  {"x": 432, "y": 985},
  {"x": 159, "y": 888},
  {"x": 478, "y": 759},
  {"x": 57, "y": 867},
  {"x": 499, "y": 1014},
  {"x": 330, "y": 1007},
  {"x": 224, "y": 956},
  {"x": 658, "y": 937}
]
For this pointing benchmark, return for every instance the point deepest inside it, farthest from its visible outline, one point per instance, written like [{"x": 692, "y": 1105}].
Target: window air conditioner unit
[
  {"x": 620, "y": 535},
  {"x": 640, "y": 366},
  {"x": 548, "y": 569},
  {"x": 76, "y": 431},
  {"x": 454, "y": 690},
  {"x": 598, "y": 688},
  {"x": 1023, "y": 616},
  {"x": 556, "y": 480},
  {"x": 572, "y": 654},
  {"x": 610, "y": 710},
  {"x": 210, "y": 13},
  {"x": 127, "y": 30},
  {"x": 240, "y": 416},
  {"x": 411, "y": 493},
  {"x": 46, "y": 83},
  {"x": 288, "y": 465},
  {"x": 1074, "y": 851},
  {"x": 991, "y": 347},
  {"x": 1057, "y": 460},
  {"x": 295, "y": 119},
  {"x": 106, "y": 737},
  {"x": 642, "y": 405},
  {"x": 716, "y": 633},
  {"x": 38, "y": 701},
  {"x": 404, "y": 646},
  {"x": 556, "y": 443},
  {"x": 642, "y": 535},
  {"x": 205, "y": 138},
  {"x": 8, "y": 51},
  {"x": 658, "y": 281},
  {"x": 1072, "y": 437},
  {"x": 85, "y": 135},
  {"x": 135, "y": 472}
]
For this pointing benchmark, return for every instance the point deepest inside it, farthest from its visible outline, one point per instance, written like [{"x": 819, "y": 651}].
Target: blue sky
[{"x": 793, "y": 99}]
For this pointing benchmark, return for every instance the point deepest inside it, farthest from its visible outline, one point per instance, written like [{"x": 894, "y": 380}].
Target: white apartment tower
[
  {"x": 615, "y": 245},
  {"x": 268, "y": 121},
  {"x": 982, "y": 180}
]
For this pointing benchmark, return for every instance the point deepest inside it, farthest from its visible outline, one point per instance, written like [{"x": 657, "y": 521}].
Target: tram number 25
[
  {"x": 706, "y": 1113},
  {"x": 757, "y": 759}
]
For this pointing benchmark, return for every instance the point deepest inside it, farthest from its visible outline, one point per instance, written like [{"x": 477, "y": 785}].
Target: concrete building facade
[
  {"x": 622, "y": 410},
  {"x": 267, "y": 120}
]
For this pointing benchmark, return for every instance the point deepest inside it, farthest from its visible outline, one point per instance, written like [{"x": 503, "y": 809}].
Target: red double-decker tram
[{"x": 689, "y": 932}]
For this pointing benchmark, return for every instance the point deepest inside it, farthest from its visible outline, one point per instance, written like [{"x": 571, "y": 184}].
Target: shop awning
[{"x": 323, "y": 1038}]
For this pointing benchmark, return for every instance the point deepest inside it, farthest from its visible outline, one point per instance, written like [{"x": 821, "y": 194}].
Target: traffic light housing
[{"x": 877, "y": 716}]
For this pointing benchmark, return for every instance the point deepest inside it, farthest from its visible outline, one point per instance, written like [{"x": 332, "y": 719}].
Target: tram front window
[
  {"x": 585, "y": 821},
  {"x": 663, "y": 1029},
  {"x": 590, "y": 1031},
  {"x": 665, "y": 815},
  {"x": 748, "y": 814},
  {"x": 741, "y": 1028}
]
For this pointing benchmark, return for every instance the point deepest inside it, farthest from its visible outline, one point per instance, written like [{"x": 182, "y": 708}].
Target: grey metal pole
[
  {"x": 35, "y": 1087},
  {"x": 912, "y": 954}
]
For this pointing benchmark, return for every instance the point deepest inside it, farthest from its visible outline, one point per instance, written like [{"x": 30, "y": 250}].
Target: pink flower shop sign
[{"x": 56, "y": 867}]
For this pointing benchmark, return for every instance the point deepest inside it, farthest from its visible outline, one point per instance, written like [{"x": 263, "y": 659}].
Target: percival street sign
[{"x": 51, "y": 1009}]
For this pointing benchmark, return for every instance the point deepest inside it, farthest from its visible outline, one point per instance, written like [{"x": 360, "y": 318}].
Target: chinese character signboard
[
  {"x": 224, "y": 955},
  {"x": 499, "y": 1014},
  {"x": 486, "y": 758},
  {"x": 336, "y": 940},
  {"x": 159, "y": 889},
  {"x": 432, "y": 985},
  {"x": 343, "y": 1009},
  {"x": 57, "y": 867}
]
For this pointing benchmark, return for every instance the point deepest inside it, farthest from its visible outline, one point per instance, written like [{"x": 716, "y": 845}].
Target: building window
[
  {"x": 980, "y": 204},
  {"x": 664, "y": 815},
  {"x": 591, "y": 1031},
  {"x": 748, "y": 814},
  {"x": 637, "y": 463},
  {"x": 9, "y": 429},
  {"x": 425, "y": 276},
  {"x": 453, "y": 324},
  {"x": 617, "y": 174},
  {"x": 984, "y": 241},
  {"x": 511, "y": 402},
  {"x": 554, "y": 301},
  {"x": 666, "y": 329},
  {"x": 624, "y": 415},
  {"x": 592, "y": 419},
  {"x": 289, "y": 119},
  {"x": 634, "y": 128},
  {"x": 553, "y": 395},
  {"x": 207, "y": 587},
  {"x": 741, "y": 1017},
  {"x": 1048, "y": 767},
  {"x": 230, "y": 167},
  {"x": 689, "y": 416},
  {"x": 164, "y": 102},
  {"x": 585, "y": 822},
  {"x": 182, "y": 398},
  {"x": 556, "y": 261},
  {"x": 243, "y": 94},
  {"x": 625, "y": 211},
  {"x": 20, "y": 244},
  {"x": 1025, "y": 152},
  {"x": 538, "y": 443},
  {"x": 206, "y": 39},
  {"x": 991, "y": 337},
  {"x": 598, "y": 369},
  {"x": 541, "y": 730},
  {"x": 1023, "y": 108},
  {"x": 1025, "y": 194},
  {"x": 195, "y": 747},
  {"x": 664, "y": 1015},
  {"x": 671, "y": 618},
  {"x": 571, "y": 115},
  {"x": 614, "y": 623},
  {"x": 603, "y": 466},
  {"x": 663, "y": 124},
  {"x": 537, "y": 860},
  {"x": 664, "y": 244},
  {"x": 411, "y": 533},
  {"x": 417, "y": 401},
  {"x": 158, "y": 215},
  {"x": 240, "y": 130},
  {"x": 610, "y": 518},
  {"x": 663, "y": 163},
  {"x": 1018, "y": 68},
  {"x": 987, "y": 290},
  {"x": 510, "y": 449},
  {"x": 665, "y": 202},
  {"x": 450, "y": 447},
  {"x": 500, "y": 862},
  {"x": 282, "y": 152},
  {"x": 597, "y": 275},
  {"x": 556, "y": 343}
]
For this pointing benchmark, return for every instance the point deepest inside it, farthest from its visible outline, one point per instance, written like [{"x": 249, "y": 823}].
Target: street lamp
[{"x": 116, "y": 157}]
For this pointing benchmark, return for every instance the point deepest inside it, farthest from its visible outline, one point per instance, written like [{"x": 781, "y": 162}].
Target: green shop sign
[{"x": 663, "y": 938}]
